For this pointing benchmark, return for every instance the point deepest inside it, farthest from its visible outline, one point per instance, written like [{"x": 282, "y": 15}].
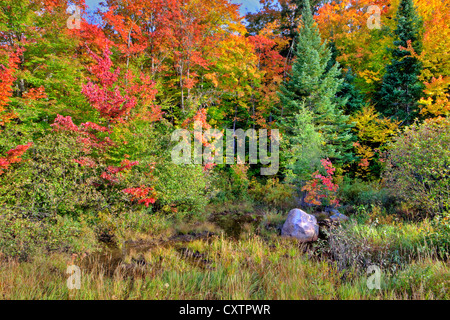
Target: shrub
[
  {"x": 351, "y": 250},
  {"x": 303, "y": 149},
  {"x": 22, "y": 237},
  {"x": 58, "y": 176},
  {"x": 358, "y": 192},
  {"x": 321, "y": 190},
  {"x": 239, "y": 179},
  {"x": 418, "y": 167},
  {"x": 272, "y": 193},
  {"x": 439, "y": 234},
  {"x": 49, "y": 182},
  {"x": 231, "y": 183},
  {"x": 373, "y": 132},
  {"x": 181, "y": 189}
]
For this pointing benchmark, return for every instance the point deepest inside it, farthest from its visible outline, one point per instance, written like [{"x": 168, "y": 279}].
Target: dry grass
[{"x": 217, "y": 268}]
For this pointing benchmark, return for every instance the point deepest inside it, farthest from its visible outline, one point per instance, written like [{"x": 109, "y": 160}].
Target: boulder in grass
[{"x": 301, "y": 226}]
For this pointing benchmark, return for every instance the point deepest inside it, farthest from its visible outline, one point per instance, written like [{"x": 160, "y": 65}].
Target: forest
[{"x": 335, "y": 183}]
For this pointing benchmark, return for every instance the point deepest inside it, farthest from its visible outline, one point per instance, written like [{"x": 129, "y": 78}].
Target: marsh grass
[
  {"x": 251, "y": 268},
  {"x": 153, "y": 257}
]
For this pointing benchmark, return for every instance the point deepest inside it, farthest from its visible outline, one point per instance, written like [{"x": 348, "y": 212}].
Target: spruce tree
[
  {"x": 313, "y": 86},
  {"x": 348, "y": 89},
  {"x": 401, "y": 89},
  {"x": 305, "y": 146}
]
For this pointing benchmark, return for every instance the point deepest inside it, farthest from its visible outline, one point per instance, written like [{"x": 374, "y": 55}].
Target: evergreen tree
[
  {"x": 290, "y": 13},
  {"x": 305, "y": 147},
  {"x": 401, "y": 88},
  {"x": 310, "y": 85},
  {"x": 348, "y": 90}
]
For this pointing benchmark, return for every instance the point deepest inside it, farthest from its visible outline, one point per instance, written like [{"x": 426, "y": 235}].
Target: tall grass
[{"x": 251, "y": 268}]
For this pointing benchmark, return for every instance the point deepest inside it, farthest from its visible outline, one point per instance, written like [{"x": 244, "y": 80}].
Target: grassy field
[{"x": 200, "y": 261}]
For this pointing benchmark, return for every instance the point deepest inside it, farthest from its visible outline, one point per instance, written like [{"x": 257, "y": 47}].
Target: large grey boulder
[{"x": 301, "y": 226}]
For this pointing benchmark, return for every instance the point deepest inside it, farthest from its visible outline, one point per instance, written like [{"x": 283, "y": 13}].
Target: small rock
[
  {"x": 331, "y": 211},
  {"x": 321, "y": 215},
  {"x": 301, "y": 226},
  {"x": 338, "y": 217}
]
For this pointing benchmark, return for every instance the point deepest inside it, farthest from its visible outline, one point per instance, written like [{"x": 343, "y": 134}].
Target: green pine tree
[
  {"x": 400, "y": 88},
  {"x": 313, "y": 86},
  {"x": 305, "y": 147},
  {"x": 355, "y": 99},
  {"x": 348, "y": 89}
]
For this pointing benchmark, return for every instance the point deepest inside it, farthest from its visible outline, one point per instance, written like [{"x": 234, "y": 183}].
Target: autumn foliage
[
  {"x": 107, "y": 97},
  {"x": 143, "y": 195},
  {"x": 321, "y": 190},
  {"x": 7, "y": 79},
  {"x": 13, "y": 156},
  {"x": 136, "y": 70}
]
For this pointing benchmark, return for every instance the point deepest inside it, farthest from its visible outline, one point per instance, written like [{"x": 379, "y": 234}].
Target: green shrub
[
  {"x": 239, "y": 180},
  {"x": 439, "y": 235},
  {"x": 181, "y": 189},
  {"x": 273, "y": 193},
  {"x": 230, "y": 184},
  {"x": 418, "y": 166},
  {"x": 358, "y": 192},
  {"x": 49, "y": 182},
  {"x": 22, "y": 237}
]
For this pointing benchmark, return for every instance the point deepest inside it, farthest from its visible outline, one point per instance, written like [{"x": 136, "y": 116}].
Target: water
[
  {"x": 233, "y": 224},
  {"x": 113, "y": 258}
]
